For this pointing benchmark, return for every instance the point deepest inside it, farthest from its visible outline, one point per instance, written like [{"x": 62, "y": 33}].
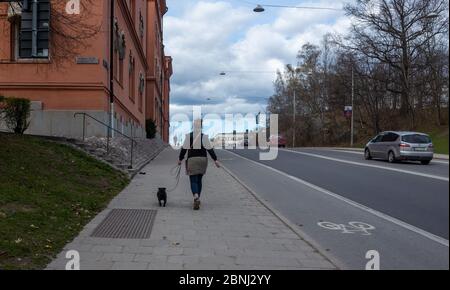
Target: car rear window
[{"x": 416, "y": 138}]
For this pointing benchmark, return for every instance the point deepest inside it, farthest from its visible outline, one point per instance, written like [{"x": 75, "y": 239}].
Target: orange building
[{"x": 73, "y": 74}]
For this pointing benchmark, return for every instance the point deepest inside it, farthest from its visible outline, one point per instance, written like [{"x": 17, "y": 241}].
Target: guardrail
[{"x": 110, "y": 129}]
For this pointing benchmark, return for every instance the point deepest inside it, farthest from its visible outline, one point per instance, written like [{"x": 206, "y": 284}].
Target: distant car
[
  {"x": 397, "y": 146},
  {"x": 279, "y": 140}
]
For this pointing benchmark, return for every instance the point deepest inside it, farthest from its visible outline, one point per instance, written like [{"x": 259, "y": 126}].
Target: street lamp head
[{"x": 259, "y": 9}]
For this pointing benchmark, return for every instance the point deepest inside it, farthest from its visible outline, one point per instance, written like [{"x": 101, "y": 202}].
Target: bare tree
[
  {"x": 394, "y": 32},
  {"x": 71, "y": 34}
]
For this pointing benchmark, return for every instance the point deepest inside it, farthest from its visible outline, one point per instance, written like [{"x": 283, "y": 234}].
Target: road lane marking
[
  {"x": 439, "y": 161},
  {"x": 351, "y": 152},
  {"x": 369, "y": 165},
  {"x": 362, "y": 154},
  {"x": 381, "y": 215},
  {"x": 435, "y": 160},
  {"x": 351, "y": 228}
]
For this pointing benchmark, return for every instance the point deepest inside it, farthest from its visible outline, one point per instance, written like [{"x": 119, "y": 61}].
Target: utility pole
[
  {"x": 257, "y": 129},
  {"x": 353, "y": 109},
  {"x": 295, "y": 117}
]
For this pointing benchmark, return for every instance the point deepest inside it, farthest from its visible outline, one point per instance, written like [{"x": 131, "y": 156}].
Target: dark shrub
[
  {"x": 150, "y": 127},
  {"x": 16, "y": 113}
]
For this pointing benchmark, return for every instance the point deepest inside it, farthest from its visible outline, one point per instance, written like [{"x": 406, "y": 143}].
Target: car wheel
[
  {"x": 425, "y": 162},
  {"x": 367, "y": 154},
  {"x": 391, "y": 157}
]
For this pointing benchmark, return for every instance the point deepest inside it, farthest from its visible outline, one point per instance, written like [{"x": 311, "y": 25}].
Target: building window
[
  {"x": 33, "y": 44},
  {"x": 116, "y": 48},
  {"x": 141, "y": 91},
  {"x": 20, "y": 32},
  {"x": 141, "y": 24},
  {"x": 121, "y": 71},
  {"x": 132, "y": 79},
  {"x": 120, "y": 57}
]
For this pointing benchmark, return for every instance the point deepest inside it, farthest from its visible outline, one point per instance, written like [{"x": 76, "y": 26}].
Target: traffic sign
[{"x": 348, "y": 111}]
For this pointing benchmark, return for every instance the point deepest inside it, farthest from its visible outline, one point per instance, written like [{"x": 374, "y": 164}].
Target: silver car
[{"x": 397, "y": 146}]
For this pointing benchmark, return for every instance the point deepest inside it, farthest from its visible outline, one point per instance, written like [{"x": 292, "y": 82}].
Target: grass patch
[
  {"x": 48, "y": 193},
  {"x": 440, "y": 141}
]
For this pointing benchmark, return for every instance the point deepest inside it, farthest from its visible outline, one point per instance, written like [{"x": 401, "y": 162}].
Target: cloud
[{"x": 208, "y": 37}]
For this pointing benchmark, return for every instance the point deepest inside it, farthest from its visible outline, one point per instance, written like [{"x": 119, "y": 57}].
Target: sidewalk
[{"x": 232, "y": 230}]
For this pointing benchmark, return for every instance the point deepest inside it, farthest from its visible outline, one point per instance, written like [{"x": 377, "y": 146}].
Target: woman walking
[{"x": 197, "y": 146}]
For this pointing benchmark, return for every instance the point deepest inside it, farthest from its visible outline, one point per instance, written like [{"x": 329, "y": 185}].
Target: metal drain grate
[{"x": 126, "y": 224}]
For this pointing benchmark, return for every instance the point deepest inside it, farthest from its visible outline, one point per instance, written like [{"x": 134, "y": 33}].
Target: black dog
[{"x": 162, "y": 197}]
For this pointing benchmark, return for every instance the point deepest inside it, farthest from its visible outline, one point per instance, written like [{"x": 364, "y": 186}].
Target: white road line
[
  {"x": 381, "y": 215},
  {"x": 369, "y": 165},
  {"x": 352, "y": 152},
  {"x": 362, "y": 154},
  {"x": 439, "y": 161}
]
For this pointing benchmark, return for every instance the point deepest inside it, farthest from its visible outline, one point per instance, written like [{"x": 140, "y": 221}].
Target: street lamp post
[
  {"x": 295, "y": 121},
  {"x": 353, "y": 110},
  {"x": 257, "y": 128}
]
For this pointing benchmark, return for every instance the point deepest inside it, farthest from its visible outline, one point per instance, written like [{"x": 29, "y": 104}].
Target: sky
[{"x": 206, "y": 37}]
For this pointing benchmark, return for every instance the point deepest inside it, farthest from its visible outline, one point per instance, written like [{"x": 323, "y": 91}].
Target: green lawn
[
  {"x": 48, "y": 192},
  {"x": 440, "y": 141},
  {"x": 438, "y": 135}
]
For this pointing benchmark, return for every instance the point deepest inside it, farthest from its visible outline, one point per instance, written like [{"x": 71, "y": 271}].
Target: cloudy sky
[{"x": 205, "y": 37}]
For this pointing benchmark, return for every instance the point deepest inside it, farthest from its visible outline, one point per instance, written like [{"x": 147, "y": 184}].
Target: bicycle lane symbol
[{"x": 352, "y": 227}]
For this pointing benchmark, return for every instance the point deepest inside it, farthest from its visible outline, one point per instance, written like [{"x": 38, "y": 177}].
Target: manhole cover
[{"x": 126, "y": 224}]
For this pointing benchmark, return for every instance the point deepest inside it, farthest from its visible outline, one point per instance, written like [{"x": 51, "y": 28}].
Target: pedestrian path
[{"x": 232, "y": 231}]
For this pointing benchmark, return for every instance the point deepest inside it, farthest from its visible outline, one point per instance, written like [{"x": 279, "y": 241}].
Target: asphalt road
[{"x": 404, "y": 208}]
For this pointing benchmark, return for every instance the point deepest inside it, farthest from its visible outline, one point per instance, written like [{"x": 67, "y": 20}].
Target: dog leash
[{"x": 176, "y": 173}]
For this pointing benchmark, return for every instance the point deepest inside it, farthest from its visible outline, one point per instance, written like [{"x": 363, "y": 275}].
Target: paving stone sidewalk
[{"x": 232, "y": 231}]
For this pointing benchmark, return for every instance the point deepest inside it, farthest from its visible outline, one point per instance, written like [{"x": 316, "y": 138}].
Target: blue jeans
[{"x": 196, "y": 184}]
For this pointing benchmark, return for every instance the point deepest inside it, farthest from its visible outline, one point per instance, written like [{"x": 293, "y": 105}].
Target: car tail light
[{"x": 403, "y": 145}]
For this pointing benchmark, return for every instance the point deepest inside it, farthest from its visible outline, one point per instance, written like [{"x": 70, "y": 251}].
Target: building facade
[{"x": 71, "y": 73}]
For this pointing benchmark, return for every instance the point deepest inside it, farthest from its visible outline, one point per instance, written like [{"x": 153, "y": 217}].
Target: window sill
[{"x": 27, "y": 61}]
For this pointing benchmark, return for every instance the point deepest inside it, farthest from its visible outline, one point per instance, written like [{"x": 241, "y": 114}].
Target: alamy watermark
[
  {"x": 228, "y": 131},
  {"x": 374, "y": 260},
  {"x": 74, "y": 260},
  {"x": 73, "y": 7}
]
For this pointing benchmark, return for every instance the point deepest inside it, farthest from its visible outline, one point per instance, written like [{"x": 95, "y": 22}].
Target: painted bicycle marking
[{"x": 351, "y": 228}]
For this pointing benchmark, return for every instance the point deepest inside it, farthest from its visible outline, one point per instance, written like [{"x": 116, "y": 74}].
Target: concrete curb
[{"x": 303, "y": 236}]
